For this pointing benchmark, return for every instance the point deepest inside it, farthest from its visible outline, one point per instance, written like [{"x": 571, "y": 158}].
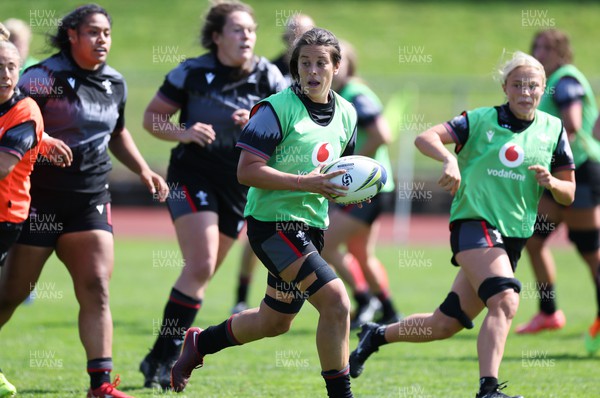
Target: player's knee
[
  {"x": 94, "y": 291},
  {"x": 495, "y": 285},
  {"x": 506, "y": 302},
  {"x": 276, "y": 325},
  {"x": 455, "y": 318},
  {"x": 12, "y": 296},
  {"x": 199, "y": 271},
  {"x": 336, "y": 300},
  {"x": 446, "y": 327}
]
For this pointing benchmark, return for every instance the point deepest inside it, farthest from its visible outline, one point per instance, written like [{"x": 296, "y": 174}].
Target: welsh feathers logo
[
  {"x": 322, "y": 153},
  {"x": 511, "y": 155}
]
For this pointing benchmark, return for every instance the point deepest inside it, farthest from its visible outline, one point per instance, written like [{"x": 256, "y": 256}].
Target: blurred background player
[
  {"x": 487, "y": 239},
  {"x": 20, "y": 36},
  {"x": 215, "y": 93},
  {"x": 569, "y": 97},
  {"x": 70, "y": 206},
  {"x": 21, "y": 128},
  {"x": 356, "y": 227},
  {"x": 286, "y": 214},
  {"x": 295, "y": 26}
]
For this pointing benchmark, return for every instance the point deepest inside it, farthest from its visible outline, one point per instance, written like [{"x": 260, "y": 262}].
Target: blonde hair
[
  {"x": 18, "y": 28},
  {"x": 519, "y": 59},
  {"x": 4, "y": 33}
]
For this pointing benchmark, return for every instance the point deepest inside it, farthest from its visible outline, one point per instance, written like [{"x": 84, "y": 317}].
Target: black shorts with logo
[
  {"x": 53, "y": 213},
  {"x": 279, "y": 244},
  {"x": 192, "y": 192},
  {"x": 474, "y": 234}
]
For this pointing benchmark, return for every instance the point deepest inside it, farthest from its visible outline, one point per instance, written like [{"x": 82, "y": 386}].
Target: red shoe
[
  {"x": 189, "y": 359},
  {"x": 592, "y": 337},
  {"x": 543, "y": 321},
  {"x": 108, "y": 390}
]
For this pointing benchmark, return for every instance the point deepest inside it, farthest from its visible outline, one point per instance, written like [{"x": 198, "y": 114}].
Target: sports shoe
[
  {"x": 164, "y": 373},
  {"x": 364, "y": 349},
  {"x": 592, "y": 337},
  {"x": 189, "y": 360},
  {"x": 149, "y": 368},
  {"x": 497, "y": 394},
  {"x": 6, "y": 389},
  {"x": 108, "y": 390},
  {"x": 543, "y": 321},
  {"x": 239, "y": 307},
  {"x": 365, "y": 313}
]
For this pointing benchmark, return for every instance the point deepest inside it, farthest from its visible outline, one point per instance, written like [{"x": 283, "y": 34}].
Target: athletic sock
[
  {"x": 378, "y": 338},
  {"x": 215, "y": 338},
  {"x": 362, "y": 298},
  {"x": 547, "y": 298},
  {"x": 242, "y": 290},
  {"x": 386, "y": 304},
  {"x": 487, "y": 384},
  {"x": 337, "y": 383},
  {"x": 179, "y": 314},
  {"x": 99, "y": 370}
]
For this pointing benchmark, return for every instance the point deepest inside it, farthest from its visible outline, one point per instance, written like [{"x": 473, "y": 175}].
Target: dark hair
[
  {"x": 315, "y": 37},
  {"x": 216, "y": 18},
  {"x": 559, "y": 41},
  {"x": 74, "y": 20}
]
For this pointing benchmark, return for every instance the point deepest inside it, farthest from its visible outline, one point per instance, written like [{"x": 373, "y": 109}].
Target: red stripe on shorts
[
  {"x": 189, "y": 199},
  {"x": 290, "y": 244},
  {"x": 488, "y": 238}
]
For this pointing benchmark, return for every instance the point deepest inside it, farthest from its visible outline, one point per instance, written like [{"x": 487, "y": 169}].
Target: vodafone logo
[
  {"x": 322, "y": 153},
  {"x": 511, "y": 155}
]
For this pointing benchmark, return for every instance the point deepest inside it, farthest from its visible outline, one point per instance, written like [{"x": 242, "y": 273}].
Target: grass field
[
  {"x": 447, "y": 50},
  {"x": 41, "y": 354}
]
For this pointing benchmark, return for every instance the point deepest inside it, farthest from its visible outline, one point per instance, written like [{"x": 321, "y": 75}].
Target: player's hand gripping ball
[{"x": 364, "y": 178}]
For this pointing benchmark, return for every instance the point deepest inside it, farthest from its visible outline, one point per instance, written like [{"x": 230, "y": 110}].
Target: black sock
[
  {"x": 99, "y": 371},
  {"x": 487, "y": 384},
  {"x": 378, "y": 338},
  {"x": 178, "y": 316},
  {"x": 386, "y": 304},
  {"x": 242, "y": 290},
  {"x": 215, "y": 338},
  {"x": 547, "y": 298},
  {"x": 362, "y": 298},
  {"x": 337, "y": 383}
]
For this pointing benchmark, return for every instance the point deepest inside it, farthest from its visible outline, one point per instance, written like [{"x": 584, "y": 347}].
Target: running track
[{"x": 153, "y": 222}]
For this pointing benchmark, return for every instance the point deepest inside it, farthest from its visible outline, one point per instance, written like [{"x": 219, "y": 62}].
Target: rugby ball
[{"x": 364, "y": 178}]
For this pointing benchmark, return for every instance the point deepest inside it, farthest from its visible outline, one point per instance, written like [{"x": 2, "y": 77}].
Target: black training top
[
  {"x": 84, "y": 109},
  {"x": 208, "y": 92}
]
